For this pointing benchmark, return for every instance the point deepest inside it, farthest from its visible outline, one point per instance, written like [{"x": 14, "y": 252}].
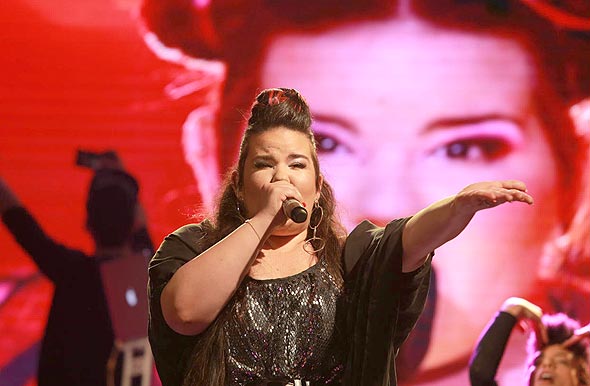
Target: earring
[
  {"x": 315, "y": 244},
  {"x": 239, "y": 211}
]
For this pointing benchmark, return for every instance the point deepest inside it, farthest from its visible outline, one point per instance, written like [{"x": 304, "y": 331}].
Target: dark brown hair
[
  {"x": 560, "y": 328},
  {"x": 272, "y": 108}
]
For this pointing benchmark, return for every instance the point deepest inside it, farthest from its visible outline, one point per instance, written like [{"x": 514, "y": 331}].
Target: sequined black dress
[
  {"x": 285, "y": 329},
  {"x": 304, "y": 326}
]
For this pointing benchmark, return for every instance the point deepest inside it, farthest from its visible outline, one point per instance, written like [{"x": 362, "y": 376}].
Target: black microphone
[{"x": 294, "y": 210}]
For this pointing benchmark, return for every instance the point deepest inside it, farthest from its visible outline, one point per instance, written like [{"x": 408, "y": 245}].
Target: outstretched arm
[
  {"x": 31, "y": 237},
  {"x": 445, "y": 219}
]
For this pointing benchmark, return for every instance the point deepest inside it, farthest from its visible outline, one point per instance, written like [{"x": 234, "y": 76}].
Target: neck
[
  {"x": 282, "y": 256},
  {"x": 285, "y": 243}
]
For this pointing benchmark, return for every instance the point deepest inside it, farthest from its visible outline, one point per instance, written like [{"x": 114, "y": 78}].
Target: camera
[{"x": 89, "y": 159}]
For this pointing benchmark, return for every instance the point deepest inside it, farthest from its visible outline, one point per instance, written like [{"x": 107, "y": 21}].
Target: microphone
[{"x": 294, "y": 210}]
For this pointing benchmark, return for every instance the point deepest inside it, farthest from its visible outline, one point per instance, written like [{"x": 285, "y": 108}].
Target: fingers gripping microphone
[{"x": 294, "y": 210}]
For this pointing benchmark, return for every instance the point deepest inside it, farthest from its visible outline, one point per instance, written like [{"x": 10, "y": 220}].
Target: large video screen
[{"x": 412, "y": 102}]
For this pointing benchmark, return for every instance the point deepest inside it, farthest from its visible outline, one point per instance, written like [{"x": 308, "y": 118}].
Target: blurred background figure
[
  {"x": 76, "y": 74},
  {"x": 79, "y": 334},
  {"x": 421, "y": 96},
  {"x": 557, "y": 351}
]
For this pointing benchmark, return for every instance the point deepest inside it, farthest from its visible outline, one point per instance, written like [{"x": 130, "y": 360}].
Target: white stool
[{"x": 137, "y": 361}]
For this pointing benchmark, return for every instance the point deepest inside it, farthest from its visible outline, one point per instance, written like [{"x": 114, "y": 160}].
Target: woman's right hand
[
  {"x": 273, "y": 195},
  {"x": 528, "y": 315}
]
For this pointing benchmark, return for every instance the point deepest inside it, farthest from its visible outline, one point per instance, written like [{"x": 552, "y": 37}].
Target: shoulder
[
  {"x": 367, "y": 237},
  {"x": 178, "y": 248},
  {"x": 366, "y": 231},
  {"x": 181, "y": 245},
  {"x": 191, "y": 231},
  {"x": 190, "y": 234}
]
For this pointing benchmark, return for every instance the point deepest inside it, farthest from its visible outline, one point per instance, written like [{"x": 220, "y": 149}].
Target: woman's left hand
[
  {"x": 445, "y": 219},
  {"x": 484, "y": 195}
]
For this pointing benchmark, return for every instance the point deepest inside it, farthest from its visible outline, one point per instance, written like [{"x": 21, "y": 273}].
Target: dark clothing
[
  {"x": 383, "y": 303},
  {"x": 380, "y": 308},
  {"x": 290, "y": 324},
  {"x": 78, "y": 337},
  {"x": 171, "y": 351},
  {"x": 490, "y": 349}
]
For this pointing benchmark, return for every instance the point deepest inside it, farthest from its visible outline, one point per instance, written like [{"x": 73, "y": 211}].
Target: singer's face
[
  {"x": 279, "y": 156},
  {"x": 406, "y": 114}
]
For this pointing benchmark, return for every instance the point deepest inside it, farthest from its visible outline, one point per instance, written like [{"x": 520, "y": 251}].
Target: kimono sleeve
[
  {"x": 177, "y": 249},
  {"x": 383, "y": 303},
  {"x": 170, "y": 349}
]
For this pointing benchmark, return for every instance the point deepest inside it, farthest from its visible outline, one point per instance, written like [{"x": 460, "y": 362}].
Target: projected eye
[
  {"x": 486, "y": 141},
  {"x": 332, "y": 138},
  {"x": 475, "y": 149},
  {"x": 327, "y": 144}
]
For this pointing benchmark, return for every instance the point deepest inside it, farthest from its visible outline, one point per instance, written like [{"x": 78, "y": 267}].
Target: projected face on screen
[{"x": 406, "y": 114}]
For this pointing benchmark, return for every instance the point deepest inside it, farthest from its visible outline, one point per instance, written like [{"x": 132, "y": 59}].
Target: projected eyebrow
[
  {"x": 471, "y": 120},
  {"x": 335, "y": 120}
]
